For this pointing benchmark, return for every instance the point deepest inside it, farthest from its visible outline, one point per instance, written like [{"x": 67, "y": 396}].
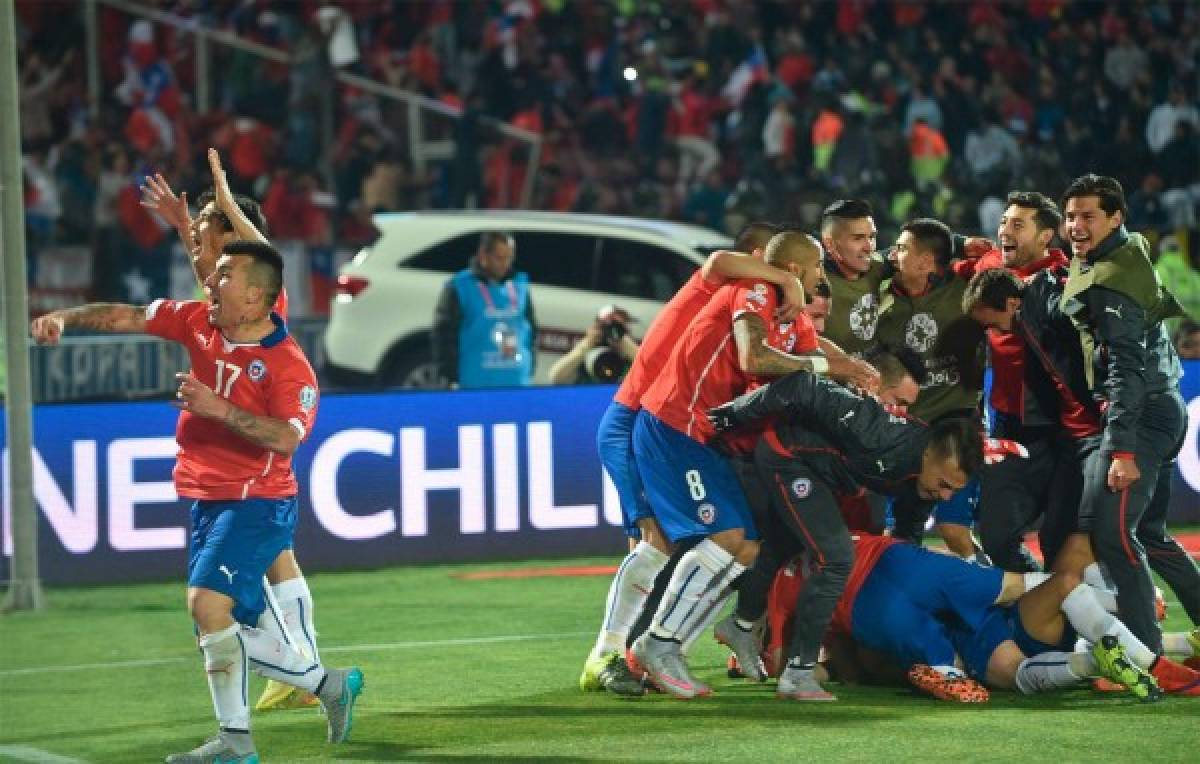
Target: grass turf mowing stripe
[
  {"x": 335, "y": 649},
  {"x": 33, "y": 755}
]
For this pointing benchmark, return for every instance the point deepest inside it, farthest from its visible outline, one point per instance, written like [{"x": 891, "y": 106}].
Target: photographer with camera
[{"x": 604, "y": 354}]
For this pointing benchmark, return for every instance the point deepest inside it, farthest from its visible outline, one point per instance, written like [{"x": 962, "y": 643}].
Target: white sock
[
  {"x": 225, "y": 663},
  {"x": 1034, "y": 579},
  {"x": 713, "y": 608},
  {"x": 1047, "y": 671},
  {"x": 1092, "y": 622},
  {"x": 272, "y": 659},
  {"x": 296, "y": 607},
  {"x": 1098, "y": 577},
  {"x": 628, "y": 592},
  {"x": 271, "y": 620},
  {"x": 695, "y": 587},
  {"x": 1106, "y": 598},
  {"x": 1176, "y": 643}
]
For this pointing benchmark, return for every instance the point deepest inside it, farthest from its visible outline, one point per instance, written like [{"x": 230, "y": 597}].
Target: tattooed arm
[
  {"x": 757, "y": 357},
  {"x": 98, "y": 317},
  {"x": 268, "y": 432}
]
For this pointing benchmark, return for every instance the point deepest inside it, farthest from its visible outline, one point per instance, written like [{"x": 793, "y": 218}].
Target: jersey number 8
[{"x": 695, "y": 484}]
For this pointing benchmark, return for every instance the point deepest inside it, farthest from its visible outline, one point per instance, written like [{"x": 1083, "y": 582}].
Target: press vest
[{"x": 495, "y": 338}]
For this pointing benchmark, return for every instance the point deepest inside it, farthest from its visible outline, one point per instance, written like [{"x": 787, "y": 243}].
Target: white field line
[
  {"x": 332, "y": 649},
  {"x": 26, "y": 753}
]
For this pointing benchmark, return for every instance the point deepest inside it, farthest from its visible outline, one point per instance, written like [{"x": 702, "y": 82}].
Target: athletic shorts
[
  {"x": 691, "y": 488},
  {"x": 233, "y": 543},
  {"x": 960, "y": 509},
  {"x": 614, "y": 442},
  {"x": 1000, "y": 625}
]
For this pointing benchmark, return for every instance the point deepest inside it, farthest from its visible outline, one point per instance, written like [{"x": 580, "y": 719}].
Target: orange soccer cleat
[
  {"x": 958, "y": 689},
  {"x": 1176, "y": 679}
]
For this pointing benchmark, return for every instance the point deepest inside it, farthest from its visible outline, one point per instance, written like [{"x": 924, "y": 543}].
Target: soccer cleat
[
  {"x": 619, "y": 680},
  {"x": 663, "y": 662},
  {"x": 224, "y": 748},
  {"x": 589, "y": 680},
  {"x": 957, "y": 688},
  {"x": 1160, "y": 605},
  {"x": 732, "y": 669},
  {"x": 1115, "y": 665},
  {"x": 746, "y": 645},
  {"x": 1193, "y": 663},
  {"x": 801, "y": 684},
  {"x": 1175, "y": 678},
  {"x": 1100, "y": 684},
  {"x": 338, "y": 692},
  {"x": 277, "y": 696}
]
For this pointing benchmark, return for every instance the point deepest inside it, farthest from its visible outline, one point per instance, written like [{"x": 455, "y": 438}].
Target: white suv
[{"x": 381, "y": 315}]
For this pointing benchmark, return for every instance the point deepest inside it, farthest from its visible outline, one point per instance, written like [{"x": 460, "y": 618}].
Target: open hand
[
  {"x": 158, "y": 196},
  {"x": 724, "y": 418}
]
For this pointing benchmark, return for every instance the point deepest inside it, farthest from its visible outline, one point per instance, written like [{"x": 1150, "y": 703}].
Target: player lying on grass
[
  {"x": 225, "y": 217},
  {"x": 924, "y": 614}
]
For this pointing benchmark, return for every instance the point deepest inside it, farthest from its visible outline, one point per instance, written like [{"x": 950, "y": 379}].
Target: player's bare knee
[
  {"x": 211, "y": 611},
  {"x": 1003, "y": 664},
  {"x": 731, "y": 540},
  {"x": 747, "y": 553},
  {"x": 1067, "y": 581}
]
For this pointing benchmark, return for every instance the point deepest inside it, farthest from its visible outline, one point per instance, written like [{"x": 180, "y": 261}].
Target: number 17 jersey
[{"x": 269, "y": 378}]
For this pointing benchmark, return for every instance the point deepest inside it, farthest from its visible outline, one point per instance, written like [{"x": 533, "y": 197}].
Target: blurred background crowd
[{"x": 713, "y": 111}]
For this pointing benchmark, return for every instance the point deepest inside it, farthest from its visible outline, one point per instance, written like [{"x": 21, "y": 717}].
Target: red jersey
[
  {"x": 796, "y": 336},
  {"x": 267, "y": 378},
  {"x": 703, "y": 369},
  {"x": 867, "y": 551},
  {"x": 656, "y": 346}
]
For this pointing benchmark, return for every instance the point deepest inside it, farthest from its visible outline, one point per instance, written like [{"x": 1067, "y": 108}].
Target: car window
[
  {"x": 557, "y": 259},
  {"x": 450, "y": 256},
  {"x": 636, "y": 269}
]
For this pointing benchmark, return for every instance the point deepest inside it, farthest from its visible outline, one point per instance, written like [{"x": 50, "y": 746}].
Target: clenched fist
[{"x": 47, "y": 329}]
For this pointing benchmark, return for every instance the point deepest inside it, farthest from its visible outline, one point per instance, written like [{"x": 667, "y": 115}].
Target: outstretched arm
[
  {"x": 225, "y": 202},
  {"x": 97, "y": 317}
]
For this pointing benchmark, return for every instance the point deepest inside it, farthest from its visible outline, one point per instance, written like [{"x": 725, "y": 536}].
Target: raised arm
[
  {"x": 97, "y": 317},
  {"x": 242, "y": 226},
  {"x": 160, "y": 198},
  {"x": 727, "y": 265}
]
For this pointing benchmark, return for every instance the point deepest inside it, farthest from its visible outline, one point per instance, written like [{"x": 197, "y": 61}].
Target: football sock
[
  {"x": 1034, "y": 579},
  {"x": 296, "y": 607},
  {"x": 628, "y": 592},
  {"x": 272, "y": 659},
  {"x": 713, "y": 607},
  {"x": 225, "y": 664},
  {"x": 1106, "y": 598},
  {"x": 697, "y": 586},
  {"x": 1176, "y": 643},
  {"x": 1047, "y": 671},
  {"x": 271, "y": 620},
  {"x": 1092, "y": 622}
]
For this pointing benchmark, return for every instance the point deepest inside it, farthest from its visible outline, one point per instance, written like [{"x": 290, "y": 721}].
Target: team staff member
[
  {"x": 1015, "y": 492},
  {"x": 854, "y": 272},
  {"x": 484, "y": 329},
  {"x": 833, "y": 442},
  {"x": 1114, "y": 298},
  {"x": 236, "y": 438}
]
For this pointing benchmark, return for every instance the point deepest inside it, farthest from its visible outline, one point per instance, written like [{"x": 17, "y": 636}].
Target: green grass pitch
[{"x": 485, "y": 670}]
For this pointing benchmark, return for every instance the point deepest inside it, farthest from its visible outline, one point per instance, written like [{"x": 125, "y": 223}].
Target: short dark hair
[
  {"x": 267, "y": 269},
  {"x": 249, "y": 207},
  {"x": 754, "y": 236},
  {"x": 896, "y": 361},
  {"x": 1046, "y": 211},
  {"x": 960, "y": 437},
  {"x": 490, "y": 239},
  {"x": 843, "y": 210},
  {"x": 991, "y": 289},
  {"x": 933, "y": 235},
  {"x": 1112, "y": 196}
]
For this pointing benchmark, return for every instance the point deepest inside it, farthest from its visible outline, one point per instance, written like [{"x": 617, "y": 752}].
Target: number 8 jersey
[{"x": 267, "y": 378}]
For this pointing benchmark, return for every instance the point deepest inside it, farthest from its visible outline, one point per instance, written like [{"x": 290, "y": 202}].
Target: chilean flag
[{"x": 753, "y": 69}]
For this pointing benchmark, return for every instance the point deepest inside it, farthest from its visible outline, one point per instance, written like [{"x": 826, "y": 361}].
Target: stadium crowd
[{"x": 716, "y": 112}]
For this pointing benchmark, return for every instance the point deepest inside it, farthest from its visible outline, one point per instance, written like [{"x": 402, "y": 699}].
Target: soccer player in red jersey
[
  {"x": 648, "y": 548},
  {"x": 225, "y": 217},
  {"x": 247, "y": 403},
  {"x": 690, "y": 487}
]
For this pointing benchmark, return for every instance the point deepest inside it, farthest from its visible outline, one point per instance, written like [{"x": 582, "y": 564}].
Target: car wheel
[{"x": 414, "y": 369}]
